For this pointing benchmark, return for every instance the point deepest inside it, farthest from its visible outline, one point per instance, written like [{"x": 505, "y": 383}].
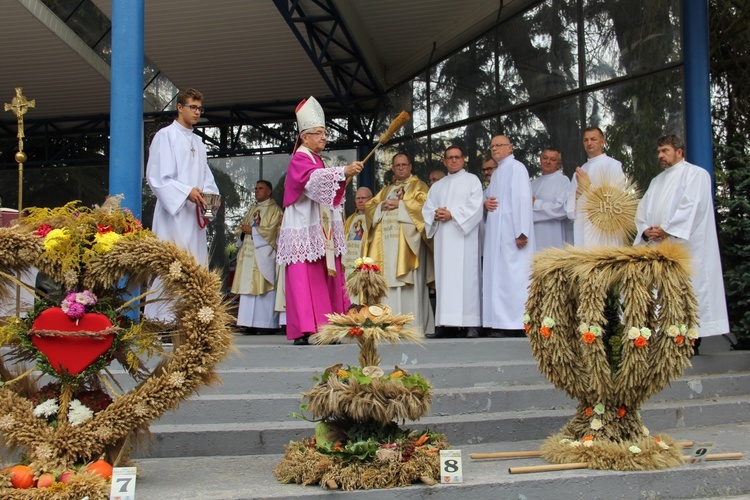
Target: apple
[
  {"x": 45, "y": 480},
  {"x": 66, "y": 476}
]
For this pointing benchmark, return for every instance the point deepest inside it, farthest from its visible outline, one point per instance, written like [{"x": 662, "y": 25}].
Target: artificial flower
[
  {"x": 633, "y": 333},
  {"x": 588, "y": 443},
  {"x": 545, "y": 332},
  {"x": 46, "y": 409},
  {"x": 634, "y": 449},
  {"x": 692, "y": 334},
  {"x": 683, "y": 329},
  {"x": 342, "y": 373},
  {"x": 175, "y": 270},
  {"x": 564, "y": 441},
  {"x": 596, "y": 330},
  {"x": 583, "y": 328},
  {"x": 679, "y": 339},
  {"x": 356, "y": 331},
  {"x": 673, "y": 331},
  {"x": 640, "y": 342},
  {"x": 55, "y": 238},
  {"x": 548, "y": 322},
  {"x": 662, "y": 444},
  {"x": 43, "y": 230},
  {"x": 588, "y": 411},
  {"x": 645, "y": 333},
  {"x": 78, "y": 413},
  {"x": 526, "y": 318},
  {"x": 599, "y": 408},
  {"x": 589, "y": 338},
  {"x": 621, "y": 412},
  {"x": 596, "y": 424},
  {"x": 645, "y": 430},
  {"x": 104, "y": 242}
]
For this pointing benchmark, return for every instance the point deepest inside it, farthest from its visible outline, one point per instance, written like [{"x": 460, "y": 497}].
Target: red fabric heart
[{"x": 68, "y": 353}]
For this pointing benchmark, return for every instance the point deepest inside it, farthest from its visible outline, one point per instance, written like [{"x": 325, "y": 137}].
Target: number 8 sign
[{"x": 450, "y": 466}]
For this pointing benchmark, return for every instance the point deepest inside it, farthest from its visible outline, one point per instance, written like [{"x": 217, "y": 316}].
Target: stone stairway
[
  {"x": 488, "y": 396},
  {"x": 485, "y": 391}
]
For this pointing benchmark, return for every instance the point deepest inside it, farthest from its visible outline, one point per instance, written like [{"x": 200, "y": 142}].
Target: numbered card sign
[
  {"x": 123, "y": 483},
  {"x": 450, "y": 466},
  {"x": 701, "y": 450}
]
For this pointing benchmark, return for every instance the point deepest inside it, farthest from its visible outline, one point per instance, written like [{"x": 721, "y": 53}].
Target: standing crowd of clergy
[{"x": 472, "y": 245}]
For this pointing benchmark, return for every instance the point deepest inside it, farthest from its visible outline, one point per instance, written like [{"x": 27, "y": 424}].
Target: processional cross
[{"x": 20, "y": 105}]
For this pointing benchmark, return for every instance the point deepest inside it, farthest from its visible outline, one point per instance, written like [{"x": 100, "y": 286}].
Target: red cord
[{"x": 202, "y": 221}]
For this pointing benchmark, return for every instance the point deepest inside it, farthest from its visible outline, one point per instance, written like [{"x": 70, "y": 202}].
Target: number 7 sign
[{"x": 123, "y": 483}]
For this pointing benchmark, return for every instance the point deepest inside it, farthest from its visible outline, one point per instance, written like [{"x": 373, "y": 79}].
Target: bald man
[{"x": 436, "y": 175}]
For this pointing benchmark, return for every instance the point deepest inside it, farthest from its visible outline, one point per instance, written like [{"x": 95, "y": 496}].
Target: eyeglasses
[
  {"x": 495, "y": 146},
  {"x": 193, "y": 108},
  {"x": 362, "y": 197},
  {"x": 490, "y": 169},
  {"x": 449, "y": 158},
  {"x": 323, "y": 134}
]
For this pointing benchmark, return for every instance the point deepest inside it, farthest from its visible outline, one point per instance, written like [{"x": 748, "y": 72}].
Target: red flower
[
  {"x": 43, "y": 229},
  {"x": 545, "y": 332},
  {"x": 640, "y": 342},
  {"x": 356, "y": 331},
  {"x": 588, "y": 411},
  {"x": 102, "y": 229},
  {"x": 588, "y": 438},
  {"x": 679, "y": 339},
  {"x": 527, "y": 328},
  {"x": 621, "y": 411},
  {"x": 589, "y": 338}
]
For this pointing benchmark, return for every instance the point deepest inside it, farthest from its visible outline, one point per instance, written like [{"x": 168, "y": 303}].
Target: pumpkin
[
  {"x": 21, "y": 477},
  {"x": 102, "y": 468}
]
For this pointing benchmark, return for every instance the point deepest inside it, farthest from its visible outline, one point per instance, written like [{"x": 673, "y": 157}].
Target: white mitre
[{"x": 310, "y": 115}]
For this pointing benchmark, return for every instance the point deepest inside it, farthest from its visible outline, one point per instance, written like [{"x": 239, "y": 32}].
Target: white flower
[
  {"x": 205, "y": 315},
  {"x": 633, "y": 333},
  {"x": 596, "y": 424},
  {"x": 596, "y": 330},
  {"x": 78, "y": 413},
  {"x": 368, "y": 261},
  {"x": 46, "y": 409},
  {"x": 662, "y": 444},
  {"x": 175, "y": 270},
  {"x": 599, "y": 408},
  {"x": 673, "y": 331},
  {"x": 358, "y": 262},
  {"x": 44, "y": 451},
  {"x": 176, "y": 379},
  {"x": 526, "y": 319},
  {"x": 645, "y": 430},
  {"x": 548, "y": 322},
  {"x": 575, "y": 444},
  {"x": 683, "y": 329},
  {"x": 634, "y": 449},
  {"x": 7, "y": 422},
  {"x": 373, "y": 371},
  {"x": 692, "y": 334},
  {"x": 645, "y": 333},
  {"x": 588, "y": 443}
]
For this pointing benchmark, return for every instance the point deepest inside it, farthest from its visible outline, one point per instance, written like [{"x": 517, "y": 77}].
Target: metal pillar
[
  {"x": 126, "y": 108},
  {"x": 698, "y": 136}
]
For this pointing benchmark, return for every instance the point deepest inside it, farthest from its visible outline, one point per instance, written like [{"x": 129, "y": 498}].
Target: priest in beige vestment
[
  {"x": 255, "y": 276},
  {"x": 397, "y": 243}
]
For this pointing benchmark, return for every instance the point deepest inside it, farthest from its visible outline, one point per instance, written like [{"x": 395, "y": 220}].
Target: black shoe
[
  {"x": 302, "y": 340},
  {"x": 472, "y": 333}
]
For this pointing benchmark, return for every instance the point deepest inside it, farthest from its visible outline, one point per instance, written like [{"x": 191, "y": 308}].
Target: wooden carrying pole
[
  {"x": 584, "y": 465},
  {"x": 537, "y": 453}
]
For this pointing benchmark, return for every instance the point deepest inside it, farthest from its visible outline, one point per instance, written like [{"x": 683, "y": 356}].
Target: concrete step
[
  {"x": 251, "y": 477},
  {"x": 237, "y": 408},
  {"x": 244, "y": 438}
]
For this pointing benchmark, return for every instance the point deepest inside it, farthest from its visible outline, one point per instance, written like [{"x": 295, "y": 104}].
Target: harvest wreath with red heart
[{"x": 83, "y": 416}]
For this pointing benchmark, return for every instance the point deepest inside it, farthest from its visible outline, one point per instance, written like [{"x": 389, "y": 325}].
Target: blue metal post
[
  {"x": 698, "y": 136},
  {"x": 126, "y": 108}
]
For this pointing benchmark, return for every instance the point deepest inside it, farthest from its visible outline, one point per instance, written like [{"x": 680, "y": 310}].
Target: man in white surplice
[
  {"x": 598, "y": 170},
  {"x": 255, "y": 276},
  {"x": 679, "y": 206},
  {"x": 397, "y": 242},
  {"x": 452, "y": 214},
  {"x": 550, "y": 191},
  {"x": 178, "y": 173},
  {"x": 508, "y": 242}
]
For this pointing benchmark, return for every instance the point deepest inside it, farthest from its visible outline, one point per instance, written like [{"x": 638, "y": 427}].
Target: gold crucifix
[{"x": 20, "y": 105}]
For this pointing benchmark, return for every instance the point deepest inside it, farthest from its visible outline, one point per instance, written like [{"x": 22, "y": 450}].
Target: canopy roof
[{"x": 242, "y": 53}]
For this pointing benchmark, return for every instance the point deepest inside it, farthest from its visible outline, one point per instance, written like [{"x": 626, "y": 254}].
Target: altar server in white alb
[
  {"x": 508, "y": 241},
  {"x": 679, "y": 206},
  {"x": 452, "y": 214},
  {"x": 599, "y": 169},
  {"x": 178, "y": 173},
  {"x": 549, "y": 191},
  {"x": 255, "y": 277}
]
